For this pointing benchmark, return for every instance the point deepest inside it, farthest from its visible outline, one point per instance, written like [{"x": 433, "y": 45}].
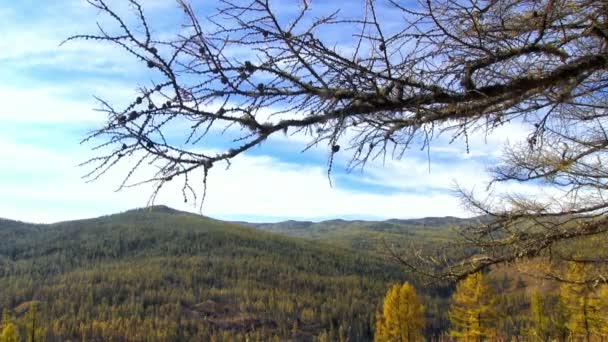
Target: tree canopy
[
  {"x": 402, "y": 316},
  {"x": 9, "y": 333},
  {"x": 473, "y": 312},
  {"x": 539, "y": 317},
  {"x": 583, "y": 305},
  {"x": 445, "y": 67}
]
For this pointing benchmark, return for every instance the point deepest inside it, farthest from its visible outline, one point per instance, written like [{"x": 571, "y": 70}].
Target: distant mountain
[
  {"x": 429, "y": 222},
  {"x": 372, "y": 236},
  {"x": 161, "y": 274}
]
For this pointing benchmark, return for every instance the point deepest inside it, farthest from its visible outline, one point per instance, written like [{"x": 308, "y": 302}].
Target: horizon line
[{"x": 252, "y": 218}]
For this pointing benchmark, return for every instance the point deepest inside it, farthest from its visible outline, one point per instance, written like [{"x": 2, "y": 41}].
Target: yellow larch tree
[
  {"x": 604, "y": 310},
  {"x": 583, "y": 304},
  {"x": 539, "y": 318},
  {"x": 473, "y": 312},
  {"x": 402, "y": 316},
  {"x": 8, "y": 330},
  {"x": 10, "y": 333}
]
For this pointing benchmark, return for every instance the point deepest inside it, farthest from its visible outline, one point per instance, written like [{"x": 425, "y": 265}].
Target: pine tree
[
  {"x": 539, "y": 329},
  {"x": 402, "y": 317},
  {"x": 10, "y": 333},
  {"x": 473, "y": 312},
  {"x": 583, "y": 305}
]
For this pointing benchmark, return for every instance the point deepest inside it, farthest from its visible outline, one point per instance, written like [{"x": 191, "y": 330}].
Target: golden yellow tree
[
  {"x": 473, "y": 312},
  {"x": 583, "y": 304},
  {"x": 10, "y": 333},
  {"x": 604, "y": 309},
  {"x": 402, "y": 316},
  {"x": 539, "y": 327}
]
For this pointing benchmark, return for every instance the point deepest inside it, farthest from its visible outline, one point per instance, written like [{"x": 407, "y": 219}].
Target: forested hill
[
  {"x": 372, "y": 235},
  {"x": 6, "y": 224},
  {"x": 160, "y": 274}
]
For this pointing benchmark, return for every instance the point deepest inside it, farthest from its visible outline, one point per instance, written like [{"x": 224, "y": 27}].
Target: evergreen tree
[
  {"x": 402, "y": 317},
  {"x": 473, "y": 313}
]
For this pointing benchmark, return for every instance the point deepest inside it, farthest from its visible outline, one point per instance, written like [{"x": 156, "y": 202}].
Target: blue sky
[{"x": 48, "y": 106}]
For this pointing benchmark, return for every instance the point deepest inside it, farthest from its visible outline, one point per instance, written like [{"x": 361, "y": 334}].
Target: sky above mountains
[{"x": 48, "y": 90}]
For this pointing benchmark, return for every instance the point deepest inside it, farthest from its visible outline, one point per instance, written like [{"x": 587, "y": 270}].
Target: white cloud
[
  {"x": 253, "y": 186},
  {"x": 28, "y": 44},
  {"x": 267, "y": 187},
  {"x": 46, "y": 104},
  {"x": 40, "y": 180}
]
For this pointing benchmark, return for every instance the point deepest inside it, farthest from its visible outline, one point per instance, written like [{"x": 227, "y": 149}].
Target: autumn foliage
[
  {"x": 402, "y": 317},
  {"x": 586, "y": 306},
  {"x": 473, "y": 313},
  {"x": 573, "y": 311},
  {"x": 10, "y": 333}
]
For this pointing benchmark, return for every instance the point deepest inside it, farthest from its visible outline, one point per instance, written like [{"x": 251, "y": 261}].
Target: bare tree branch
[{"x": 448, "y": 67}]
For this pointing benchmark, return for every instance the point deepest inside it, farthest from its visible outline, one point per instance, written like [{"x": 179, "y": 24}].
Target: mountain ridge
[
  {"x": 161, "y": 208},
  {"x": 359, "y": 235}
]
